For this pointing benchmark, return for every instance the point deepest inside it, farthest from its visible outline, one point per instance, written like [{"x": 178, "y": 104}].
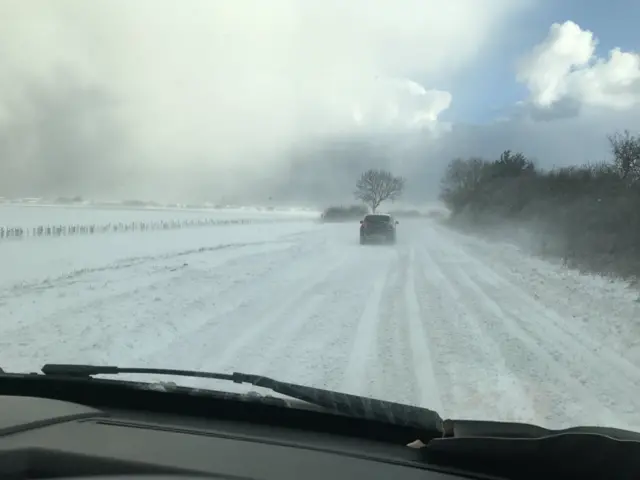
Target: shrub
[
  {"x": 344, "y": 213},
  {"x": 588, "y": 215}
]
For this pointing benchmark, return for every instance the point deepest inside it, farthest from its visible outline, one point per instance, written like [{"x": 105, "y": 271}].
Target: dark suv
[{"x": 378, "y": 226}]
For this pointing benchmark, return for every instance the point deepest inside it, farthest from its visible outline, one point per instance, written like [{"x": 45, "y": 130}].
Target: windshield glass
[{"x": 183, "y": 185}]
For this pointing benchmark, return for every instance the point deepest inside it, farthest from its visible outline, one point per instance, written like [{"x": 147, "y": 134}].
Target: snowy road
[{"x": 443, "y": 320}]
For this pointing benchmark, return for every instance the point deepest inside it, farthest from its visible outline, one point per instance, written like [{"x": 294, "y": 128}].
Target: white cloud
[
  {"x": 206, "y": 89},
  {"x": 564, "y": 68},
  {"x": 400, "y": 104}
]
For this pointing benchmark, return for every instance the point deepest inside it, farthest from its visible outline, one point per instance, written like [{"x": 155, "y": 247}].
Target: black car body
[{"x": 378, "y": 226}]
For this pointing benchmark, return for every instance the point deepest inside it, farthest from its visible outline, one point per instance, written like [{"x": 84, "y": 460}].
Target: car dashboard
[{"x": 46, "y": 438}]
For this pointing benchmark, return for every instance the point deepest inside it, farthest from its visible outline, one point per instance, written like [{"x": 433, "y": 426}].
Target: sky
[
  {"x": 612, "y": 22},
  {"x": 197, "y": 100}
]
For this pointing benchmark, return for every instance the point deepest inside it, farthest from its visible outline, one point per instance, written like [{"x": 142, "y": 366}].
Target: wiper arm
[{"x": 394, "y": 413}]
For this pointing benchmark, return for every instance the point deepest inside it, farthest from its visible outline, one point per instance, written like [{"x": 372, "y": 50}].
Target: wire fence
[{"x": 18, "y": 233}]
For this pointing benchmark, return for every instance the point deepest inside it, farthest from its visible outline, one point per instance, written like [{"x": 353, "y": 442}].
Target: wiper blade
[{"x": 384, "y": 411}]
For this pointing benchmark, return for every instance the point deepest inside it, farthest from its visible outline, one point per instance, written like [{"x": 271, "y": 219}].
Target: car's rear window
[{"x": 378, "y": 218}]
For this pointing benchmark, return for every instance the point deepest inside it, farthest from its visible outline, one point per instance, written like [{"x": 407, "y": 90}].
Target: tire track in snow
[
  {"x": 551, "y": 404},
  {"x": 363, "y": 352},
  {"x": 427, "y": 385},
  {"x": 304, "y": 349},
  {"x": 557, "y": 393},
  {"x": 268, "y": 316},
  {"x": 393, "y": 338},
  {"x": 500, "y": 277},
  {"x": 274, "y": 345},
  {"x": 541, "y": 325},
  {"x": 475, "y": 377},
  {"x": 278, "y": 355},
  {"x": 321, "y": 349}
]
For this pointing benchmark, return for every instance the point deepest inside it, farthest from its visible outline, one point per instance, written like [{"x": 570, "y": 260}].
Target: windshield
[{"x": 183, "y": 185}]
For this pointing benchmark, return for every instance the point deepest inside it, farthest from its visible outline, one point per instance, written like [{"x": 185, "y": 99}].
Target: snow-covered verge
[
  {"x": 537, "y": 238},
  {"x": 441, "y": 319}
]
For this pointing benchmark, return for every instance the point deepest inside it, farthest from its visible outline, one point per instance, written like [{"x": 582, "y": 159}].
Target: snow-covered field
[
  {"x": 443, "y": 320},
  {"x": 35, "y": 215}
]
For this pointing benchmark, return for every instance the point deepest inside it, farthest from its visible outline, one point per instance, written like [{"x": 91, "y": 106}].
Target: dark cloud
[
  {"x": 61, "y": 137},
  {"x": 176, "y": 100}
]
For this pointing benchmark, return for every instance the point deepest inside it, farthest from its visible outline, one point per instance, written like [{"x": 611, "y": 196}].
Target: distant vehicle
[{"x": 378, "y": 226}]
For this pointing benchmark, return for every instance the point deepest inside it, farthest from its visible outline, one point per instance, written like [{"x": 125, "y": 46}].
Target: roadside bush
[
  {"x": 344, "y": 213},
  {"x": 587, "y": 215}
]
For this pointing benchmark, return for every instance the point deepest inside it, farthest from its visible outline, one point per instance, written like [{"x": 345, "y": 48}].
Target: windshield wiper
[{"x": 394, "y": 413}]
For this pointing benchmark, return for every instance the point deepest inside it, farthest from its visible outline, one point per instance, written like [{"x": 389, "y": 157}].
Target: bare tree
[
  {"x": 376, "y": 186},
  {"x": 626, "y": 154},
  {"x": 462, "y": 180}
]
